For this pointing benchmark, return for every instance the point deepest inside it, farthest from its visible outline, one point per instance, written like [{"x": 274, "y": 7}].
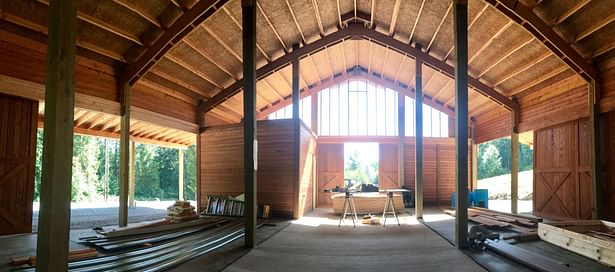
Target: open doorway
[
  {"x": 494, "y": 173},
  {"x": 361, "y": 166}
]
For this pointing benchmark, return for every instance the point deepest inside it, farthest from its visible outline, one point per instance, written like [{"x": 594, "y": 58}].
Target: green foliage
[
  {"x": 96, "y": 170},
  {"x": 363, "y": 172},
  {"x": 494, "y": 158}
]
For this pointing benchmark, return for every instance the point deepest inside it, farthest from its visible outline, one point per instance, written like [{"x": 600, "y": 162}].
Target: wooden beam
[
  {"x": 318, "y": 19},
  {"x": 570, "y": 12},
  {"x": 401, "y": 135},
  {"x": 539, "y": 80},
  {"x": 416, "y": 21},
  {"x": 499, "y": 59},
  {"x": 124, "y": 175},
  {"x": 176, "y": 32},
  {"x": 137, "y": 10},
  {"x": 524, "y": 16},
  {"x": 461, "y": 122},
  {"x": 418, "y": 134},
  {"x": 206, "y": 55},
  {"x": 592, "y": 29},
  {"x": 292, "y": 14},
  {"x": 359, "y": 31},
  {"x": 490, "y": 41},
  {"x": 433, "y": 38},
  {"x": 594, "y": 150},
  {"x": 522, "y": 68},
  {"x": 181, "y": 174},
  {"x": 54, "y": 221},
  {"x": 250, "y": 155},
  {"x": 275, "y": 32},
  {"x": 393, "y": 18}
]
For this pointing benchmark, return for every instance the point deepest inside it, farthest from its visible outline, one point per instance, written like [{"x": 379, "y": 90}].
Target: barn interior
[{"x": 272, "y": 92}]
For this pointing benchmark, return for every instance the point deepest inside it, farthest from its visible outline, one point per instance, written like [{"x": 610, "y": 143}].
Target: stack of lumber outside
[
  {"x": 147, "y": 236},
  {"x": 594, "y": 239},
  {"x": 181, "y": 211},
  {"x": 225, "y": 206},
  {"x": 524, "y": 225}
]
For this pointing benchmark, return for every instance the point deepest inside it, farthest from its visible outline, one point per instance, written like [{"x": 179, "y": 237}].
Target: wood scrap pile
[
  {"x": 524, "y": 225},
  {"x": 181, "y": 211}
]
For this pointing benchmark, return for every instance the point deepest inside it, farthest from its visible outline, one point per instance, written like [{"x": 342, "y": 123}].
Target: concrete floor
[{"x": 315, "y": 243}]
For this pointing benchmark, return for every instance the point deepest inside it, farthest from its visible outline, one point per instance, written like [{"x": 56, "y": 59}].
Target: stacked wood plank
[
  {"x": 594, "y": 239},
  {"x": 367, "y": 203},
  {"x": 181, "y": 211},
  {"x": 524, "y": 225}
]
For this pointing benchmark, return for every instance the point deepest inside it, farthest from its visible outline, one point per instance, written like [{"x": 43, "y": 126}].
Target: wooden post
[
  {"x": 131, "y": 176},
  {"x": 594, "y": 150},
  {"x": 54, "y": 220},
  {"x": 461, "y": 122},
  {"x": 401, "y": 144},
  {"x": 124, "y": 155},
  {"x": 250, "y": 156},
  {"x": 296, "y": 133},
  {"x": 418, "y": 120},
  {"x": 197, "y": 193},
  {"x": 514, "y": 172},
  {"x": 180, "y": 167}
]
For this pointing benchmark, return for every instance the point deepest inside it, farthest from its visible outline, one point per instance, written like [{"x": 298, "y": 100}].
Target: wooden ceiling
[
  {"x": 503, "y": 54},
  {"x": 101, "y": 124}
]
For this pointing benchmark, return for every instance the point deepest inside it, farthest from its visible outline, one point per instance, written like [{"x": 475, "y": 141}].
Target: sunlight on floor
[
  {"x": 436, "y": 217},
  {"x": 316, "y": 221}
]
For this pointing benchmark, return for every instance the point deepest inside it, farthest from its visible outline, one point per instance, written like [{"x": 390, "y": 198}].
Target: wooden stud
[
  {"x": 124, "y": 156},
  {"x": 594, "y": 150},
  {"x": 250, "y": 155},
  {"x": 514, "y": 165},
  {"x": 180, "y": 167},
  {"x": 54, "y": 221},
  {"x": 461, "y": 122},
  {"x": 418, "y": 134},
  {"x": 401, "y": 131},
  {"x": 131, "y": 179}
]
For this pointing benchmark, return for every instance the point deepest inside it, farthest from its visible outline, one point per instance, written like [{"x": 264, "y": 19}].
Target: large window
[{"x": 363, "y": 108}]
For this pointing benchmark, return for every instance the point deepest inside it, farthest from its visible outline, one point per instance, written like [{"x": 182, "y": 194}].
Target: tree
[
  {"x": 147, "y": 178},
  {"x": 490, "y": 162},
  {"x": 190, "y": 173},
  {"x": 38, "y": 164},
  {"x": 168, "y": 171}
]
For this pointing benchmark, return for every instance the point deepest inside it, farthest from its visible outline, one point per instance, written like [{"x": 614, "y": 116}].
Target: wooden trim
[
  {"x": 176, "y": 32},
  {"x": 359, "y": 31}
]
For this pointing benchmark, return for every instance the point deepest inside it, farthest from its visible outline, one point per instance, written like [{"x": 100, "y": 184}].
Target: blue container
[
  {"x": 481, "y": 198},
  {"x": 454, "y": 198}
]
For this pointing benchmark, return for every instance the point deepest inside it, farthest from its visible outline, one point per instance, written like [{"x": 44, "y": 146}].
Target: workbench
[{"x": 372, "y": 202}]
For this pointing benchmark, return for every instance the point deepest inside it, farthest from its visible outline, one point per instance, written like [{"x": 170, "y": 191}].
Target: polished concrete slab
[{"x": 315, "y": 243}]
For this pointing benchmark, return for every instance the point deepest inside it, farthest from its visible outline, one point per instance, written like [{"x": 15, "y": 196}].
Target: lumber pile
[
  {"x": 594, "y": 239},
  {"x": 524, "y": 225},
  {"x": 72, "y": 255},
  {"x": 181, "y": 211}
]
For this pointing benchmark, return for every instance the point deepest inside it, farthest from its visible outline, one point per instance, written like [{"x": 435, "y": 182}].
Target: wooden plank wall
[
  {"x": 562, "y": 176},
  {"x": 25, "y": 59},
  {"x": 18, "y": 123},
  {"x": 607, "y": 85},
  {"x": 222, "y": 166},
  {"x": 438, "y": 171},
  {"x": 388, "y": 167},
  {"x": 306, "y": 167},
  {"x": 493, "y": 125},
  {"x": 330, "y": 171}
]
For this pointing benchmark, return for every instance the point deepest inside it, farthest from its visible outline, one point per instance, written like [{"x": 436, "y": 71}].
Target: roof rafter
[
  {"x": 418, "y": 16},
  {"x": 592, "y": 29},
  {"x": 272, "y": 27},
  {"x": 524, "y": 16},
  {"x": 318, "y": 19},
  {"x": 470, "y": 25},
  {"x": 134, "y": 8},
  {"x": 570, "y": 12},
  {"x": 503, "y": 57},
  {"x": 292, "y": 14},
  {"x": 176, "y": 32},
  {"x": 490, "y": 41},
  {"x": 393, "y": 18},
  {"x": 241, "y": 28},
  {"x": 359, "y": 31},
  {"x": 433, "y": 38}
]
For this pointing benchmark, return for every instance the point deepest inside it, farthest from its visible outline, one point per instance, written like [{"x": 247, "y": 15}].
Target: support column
[
  {"x": 418, "y": 120},
  {"x": 514, "y": 167},
  {"x": 401, "y": 144},
  {"x": 296, "y": 133},
  {"x": 594, "y": 150},
  {"x": 124, "y": 178},
  {"x": 181, "y": 174},
  {"x": 131, "y": 179},
  {"x": 250, "y": 156},
  {"x": 474, "y": 174},
  {"x": 461, "y": 122},
  {"x": 56, "y": 177}
]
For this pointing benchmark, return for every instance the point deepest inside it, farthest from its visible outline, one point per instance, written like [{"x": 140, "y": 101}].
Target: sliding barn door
[
  {"x": 18, "y": 123},
  {"x": 330, "y": 170},
  {"x": 387, "y": 177},
  {"x": 562, "y": 176}
]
